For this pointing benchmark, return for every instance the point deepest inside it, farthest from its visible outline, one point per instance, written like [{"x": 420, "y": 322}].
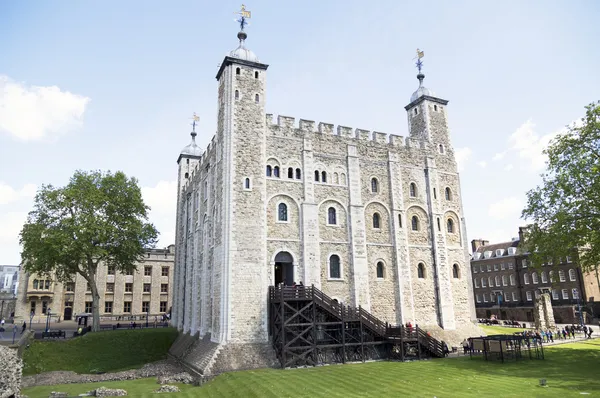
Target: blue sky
[{"x": 112, "y": 85}]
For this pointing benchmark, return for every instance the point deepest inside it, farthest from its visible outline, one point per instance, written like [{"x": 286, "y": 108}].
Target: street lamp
[{"x": 48, "y": 313}]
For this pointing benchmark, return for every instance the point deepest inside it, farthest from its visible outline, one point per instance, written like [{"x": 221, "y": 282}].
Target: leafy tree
[
  {"x": 565, "y": 209},
  {"x": 98, "y": 217}
]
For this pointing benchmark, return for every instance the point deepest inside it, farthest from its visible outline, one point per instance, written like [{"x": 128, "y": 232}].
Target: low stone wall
[{"x": 11, "y": 368}]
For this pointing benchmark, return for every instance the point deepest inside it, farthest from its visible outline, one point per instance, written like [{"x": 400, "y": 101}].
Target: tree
[
  {"x": 565, "y": 209},
  {"x": 98, "y": 217}
]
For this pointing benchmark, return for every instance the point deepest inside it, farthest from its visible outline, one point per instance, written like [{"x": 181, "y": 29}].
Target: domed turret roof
[
  {"x": 192, "y": 149},
  {"x": 242, "y": 52},
  {"x": 422, "y": 90}
]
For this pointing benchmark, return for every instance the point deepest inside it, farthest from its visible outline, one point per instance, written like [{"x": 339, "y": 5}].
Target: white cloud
[
  {"x": 499, "y": 156},
  {"x": 32, "y": 113},
  {"x": 530, "y": 145},
  {"x": 9, "y": 194},
  {"x": 162, "y": 199},
  {"x": 482, "y": 164},
  {"x": 12, "y": 223},
  {"x": 508, "y": 207},
  {"x": 462, "y": 155},
  {"x": 508, "y": 167}
]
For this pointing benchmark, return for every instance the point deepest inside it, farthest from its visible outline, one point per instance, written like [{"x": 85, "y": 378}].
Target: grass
[
  {"x": 108, "y": 351},
  {"x": 493, "y": 329},
  {"x": 570, "y": 369}
]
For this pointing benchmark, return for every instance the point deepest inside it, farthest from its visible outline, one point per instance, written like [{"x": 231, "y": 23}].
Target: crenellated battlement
[{"x": 286, "y": 124}]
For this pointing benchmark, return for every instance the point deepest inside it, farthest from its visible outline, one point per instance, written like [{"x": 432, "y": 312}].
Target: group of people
[{"x": 567, "y": 332}]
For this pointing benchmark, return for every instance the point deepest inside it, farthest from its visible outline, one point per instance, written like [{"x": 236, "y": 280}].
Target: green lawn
[
  {"x": 107, "y": 351},
  {"x": 570, "y": 369},
  {"x": 493, "y": 329}
]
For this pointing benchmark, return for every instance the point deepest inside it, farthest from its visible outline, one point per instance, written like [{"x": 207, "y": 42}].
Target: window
[
  {"x": 485, "y": 298},
  {"x": 108, "y": 306},
  {"x": 475, "y": 268},
  {"x": 147, "y": 287},
  {"x": 276, "y": 171},
  {"x": 421, "y": 271},
  {"x": 298, "y": 174},
  {"x": 317, "y": 174},
  {"x": 561, "y": 275},
  {"x": 526, "y": 278},
  {"x": 529, "y": 296},
  {"x": 45, "y": 307},
  {"x": 495, "y": 267},
  {"x": 47, "y": 284},
  {"x": 129, "y": 272},
  {"x": 110, "y": 287},
  {"x": 36, "y": 283},
  {"x": 110, "y": 270},
  {"x": 164, "y": 288},
  {"x": 524, "y": 263},
  {"x": 376, "y": 220},
  {"x": 145, "y": 306},
  {"x": 435, "y": 108},
  {"x": 455, "y": 271},
  {"x": 323, "y": 176},
  {"x": 334, "y": 267},
  {"x": 555, "y": 295},
  {"x": 336, "y": 179},
  {"x": 165, "y": 271},
  {"x": 511, "y": 266},
  {"x": 441, "y": 148},
  {"x": 514, "y": 296},
  {"x": 147, "y": 271},
  {"x": 476, "y": 283},
  {"x": 247, "y": 183},
  {"x": 374, "y": 185},
  {"x": 434, "y": 193},
  {"x": 497, "y": 280},
  {"x": 380, "y": 270},
  {"x": 129, "y": 288},
  {"x": 237, "y": 95},
  {"x": 415, "y": 223},
  {"x": 489, "y": 267},
  {"x": 70, "y": 287},
  {"x": 88, "y": 307},
  {"x": 32, "y": 307},
  {"x": 399, "y": 220},
  {"x": 502, "y": 266},
  {"x": 256, "y": 75},
  {"x": 534, "y": 278},
  {"x": 450, "y": 226},
  {"x": 269, "y": 171},
  {"x": 507, "y": 297},
  {"x": 550, "y": 261},
  {"x": 504, "y": 280},
  {"x": 331, "y": 216},
  {"x": 290, "y": 172},
  {"x": 413, "y": 190},
  {"x": 416, "y": 111},
  {"x": 478, "y": 298},
  {"x": 513, "y": 280},
  {"x": 438, "y": 224},
  {"x": 491, "y": 281},
  {"x": 483, "y": 282},
  {"x": 163, "y": 306},
  {"x": 572, "y": 275},
  {"x": 575, "y": 294},
  {"x": 544, "y": 277},
  {"x": 565, "y": 294},
  {"x": 343, "y": 178},
  {"x": 237, "y": 71},
  {"x": 282, "y": 214},
  {"x": 552, "y": 277},
  {"x": 257, "y": 98},
  {"x": 127, "y": 306},
  {"x": 569, "y": 259},
  {"x": 537, "y": 294}
]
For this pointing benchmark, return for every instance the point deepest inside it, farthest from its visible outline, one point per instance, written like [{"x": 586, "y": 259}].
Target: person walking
[{"x": 23, "y": 327}]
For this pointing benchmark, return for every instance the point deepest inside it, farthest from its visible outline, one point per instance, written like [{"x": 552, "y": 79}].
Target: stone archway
[{"x": 284, "y": 269}]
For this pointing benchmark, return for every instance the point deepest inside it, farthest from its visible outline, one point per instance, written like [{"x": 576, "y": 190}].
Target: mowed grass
[
  {"x": 107, "y": 351},
  {"x": 570, "y": 370},
  {"x": 494, "y": 329}
]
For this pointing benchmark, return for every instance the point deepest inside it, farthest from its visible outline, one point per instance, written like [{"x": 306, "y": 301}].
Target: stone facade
[
  {"x": 151, "y": 284},
  {"x": 11, "y": 367},
  {"x": 372, "y": 219}
]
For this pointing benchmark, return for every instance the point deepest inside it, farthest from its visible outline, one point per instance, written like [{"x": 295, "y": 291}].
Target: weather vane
[
  {"x": 420, "y": 54},
  {"x": 195, "y": 119},
  {"x": 244, "y": 14}
]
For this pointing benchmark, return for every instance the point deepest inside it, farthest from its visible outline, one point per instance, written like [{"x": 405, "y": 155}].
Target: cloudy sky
[{"x": 112, "y": 85}]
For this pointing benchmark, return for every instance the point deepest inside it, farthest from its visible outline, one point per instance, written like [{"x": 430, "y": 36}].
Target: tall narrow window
[
  {"x": 448, "y": 194},
  {"x": 455, "y": 271},
  {"x": 256, "y": 75},
  {"x": 421, "y": 270},
  {"x": 544, "y": 277},
  {"x": 237, "y": 71},
  {"x": 413, "y": 190},
  {"x": 534, "y": 278},
  {"x": 35, "y": 284},
  {"x": 438, "y": 224},
  {"x": 376, "y": 220},
  {"x": 450, "y": 226},
  {"x": 331, "y": 216},
  {"x": 380, "y": 270},
  {"x": 504, "y": 280},
  {"x": 335, "y": 271},
  {"x": 572, "y": 275},
  {"x": 374, "y": 185},
  {"x": 400, "y": 220},
  {"x": 415, "y": 223},
  {"x": 323, "y": 176},
  {"x": 317, "y": 174},
  {"x": 290, "y": 172},
  {"x": 247, "y": 183},
  {"x": 276, "y": 171},
  {"x": 336, "y": 178},
  {"x": 269, "y": 171},
  {"x": 298, "y": 174},
  {"x": 257, "y": 98},
  {"x": 561, "y": 275},
  {"x": 526, "y": 278},
  {"x": 512, "y": 279},
  {"x": 434, "y": 193},
  {"x": 282, "y": 212},
  {"x": 441, "y": 148},
  {"x": 237, "y": 95}
]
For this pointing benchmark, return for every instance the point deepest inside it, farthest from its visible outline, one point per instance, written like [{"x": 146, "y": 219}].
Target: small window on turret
[
  {"x": 257, "y": 98},
  {"x": 237, "y": 71},
  {"x": 237, "y": 95},
  {"x": 435, "y": 108},
  {"x": 416, "y": 111},
  {"x": 256, "y": 75},
  {"x": 441, "y": 148},
  {"x": 187, "y": 175}
]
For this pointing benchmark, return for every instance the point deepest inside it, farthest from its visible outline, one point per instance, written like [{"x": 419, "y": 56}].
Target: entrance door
[
  {"x": 68, "y": 313},
  {"x": 284, "y": 269}
]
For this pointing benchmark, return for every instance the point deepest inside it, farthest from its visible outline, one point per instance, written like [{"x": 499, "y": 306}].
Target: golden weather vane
[
  {"x": 195, "y": 118},
  {"x": 420, "y": 54},
  {"x": 244, "y": 14}
]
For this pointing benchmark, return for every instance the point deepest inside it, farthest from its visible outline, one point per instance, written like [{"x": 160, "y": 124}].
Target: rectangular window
[
  {"x": 575, "y": 293},
  {"x": 129, "y": 272},
  {"x": 489, "y": 267},
  {"x": 129, "y": 288},
  {"x": 474, "y": 270},
  {"x": 127, "y": 307},
  {"x": 147, "y": 287},
  {"x": 163, "y": 306},
  {"x": 88, "y": 306},
  {"x": 110, "y": 287},
  {"x": 165, "y": 271},
  {"x": 481, "y": 268},
  {"x": 44, "y": 307},
  {"x": 164, "y": 288},
  {"x": 555, "y": 294},
  {"x": 502, "y": 266},
  {"x": 108, "y": 306},
  {"x": 485, "y": 298},
  {"x": 476, "y": 281},
  {"x": 495, "y": 267},
  {"x": 483, "y": 282},
  {"x": 110, "y": 270},
  {"x": 565, "y": 294},
  {"x": 510, "y": 266},
  {"x": 506, "y": 297},
  {"x": 147, "y": 271},
  {"x": 478, "y": 298},
  {"x": 70, "y": 286},
  {"x": 537, "y": 294},
  {"x": 514, "y": 296},
  {"x": 32, "y": 307},
  {"x": 47, "y": 285},
  {"x": 524, "y": 263},
  {"x": 529, "y": 297},
  {"x": 569, "y": 259},
  {"x": 145, "y": 306}
]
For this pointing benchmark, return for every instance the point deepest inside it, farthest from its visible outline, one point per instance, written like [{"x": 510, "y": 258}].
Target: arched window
[
  {"x": 415, "y": 223},
  {"x": 290, "y": 172},
  {"x": 400, "y": 220},
  {"x": 256, "y": 75},
  {"x": 526, "y": 278},
  {"x": 413, "y": 190},
  {"x": 257, "y": 98},
  {"x": 298, "y": 174},
  {"x": 276, "y": 171},
  {"x": 376, "y": 220},
  {"x": 572, "y": 275},
  {"x": 317, "y": 174},
  {"x": 491, "y": 281},
  {"x": 237, "y": 71},
  {"x": 544, "y": 277},
  {"x": 237, "y": 95},
  {"x": 512, "y": 280},
  {"x": 455, "y": 271},
  {"x": 374, "y": 185},
  {"x": 380, "y": 269},
  {"x": 561, "y": 275},
  {"x": 335, "y": 271},
  {"x": 441, "y": 147},
  {"x": 450, "y": 226},
  {"x": 552, "y": 277},
  {"x": 323, "y": 176},
  {"x": 497, "y": 280},
  {"x": 421, "y": 270},
  {"x": 448, "y": 194},
  {"x": 331, "y": 216},
  {"x": 336, "y": 178},
  {"x": 343, "y": 179},
  {"x": 483, "y": 282},
  {"x": 282, "y": 212},
  {"x": 187, "y": 175},
  {"x": 504, "y": 280},
  {"x": 247, "y": 183},
  {"x": 269, "y": 171},
  {"x": 534, "y": 278}
]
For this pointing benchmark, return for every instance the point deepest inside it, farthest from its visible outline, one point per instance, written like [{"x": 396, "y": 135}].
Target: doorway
[
  {"x": 284, "y": 269},
  {"x": 68, "y": 315}
]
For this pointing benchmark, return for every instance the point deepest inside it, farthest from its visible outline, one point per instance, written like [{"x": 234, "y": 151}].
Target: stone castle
[{"x": 371, "y": 219}]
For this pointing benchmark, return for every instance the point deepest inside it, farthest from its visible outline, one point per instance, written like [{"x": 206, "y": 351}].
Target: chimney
[
  {"x": 522, "y": 232},
  {"x": 477, "y": 243}
]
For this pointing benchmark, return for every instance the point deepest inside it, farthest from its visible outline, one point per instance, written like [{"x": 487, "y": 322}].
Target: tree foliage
[
  {"x": 565, "y": 208},
  {"x": 97, "y": 218}
]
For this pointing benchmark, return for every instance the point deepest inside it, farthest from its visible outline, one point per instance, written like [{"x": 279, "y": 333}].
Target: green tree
[
  {"x": 97, "y": 218},
  {"x": 565, "y": 208}
]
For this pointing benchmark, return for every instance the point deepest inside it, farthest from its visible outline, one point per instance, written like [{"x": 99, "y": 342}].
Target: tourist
[
  {"x": 465, "y": 345},
  {"x": 589, "y": 336},
  {"x": 2, "y": 323},
  {"x": 24, "y": 327}
]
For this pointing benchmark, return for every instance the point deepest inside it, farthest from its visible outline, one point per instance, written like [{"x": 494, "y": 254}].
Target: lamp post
[
  {"x": 48, "y": 313},
  {"x": 31, "y": 314}
]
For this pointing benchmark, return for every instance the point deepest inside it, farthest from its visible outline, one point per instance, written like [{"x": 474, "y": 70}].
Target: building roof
[{"x": 504, "y": 246}]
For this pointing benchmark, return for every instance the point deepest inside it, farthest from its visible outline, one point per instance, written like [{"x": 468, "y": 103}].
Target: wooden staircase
[{"x": 309, "y": 328}]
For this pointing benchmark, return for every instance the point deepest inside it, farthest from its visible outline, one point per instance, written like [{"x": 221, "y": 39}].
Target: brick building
[
  {"x": 147, "y": 290},
  {"x": 506, "y": 286}
]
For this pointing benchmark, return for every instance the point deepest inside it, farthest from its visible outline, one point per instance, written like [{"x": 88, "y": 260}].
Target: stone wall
[{"x": 11, "y": 367}]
